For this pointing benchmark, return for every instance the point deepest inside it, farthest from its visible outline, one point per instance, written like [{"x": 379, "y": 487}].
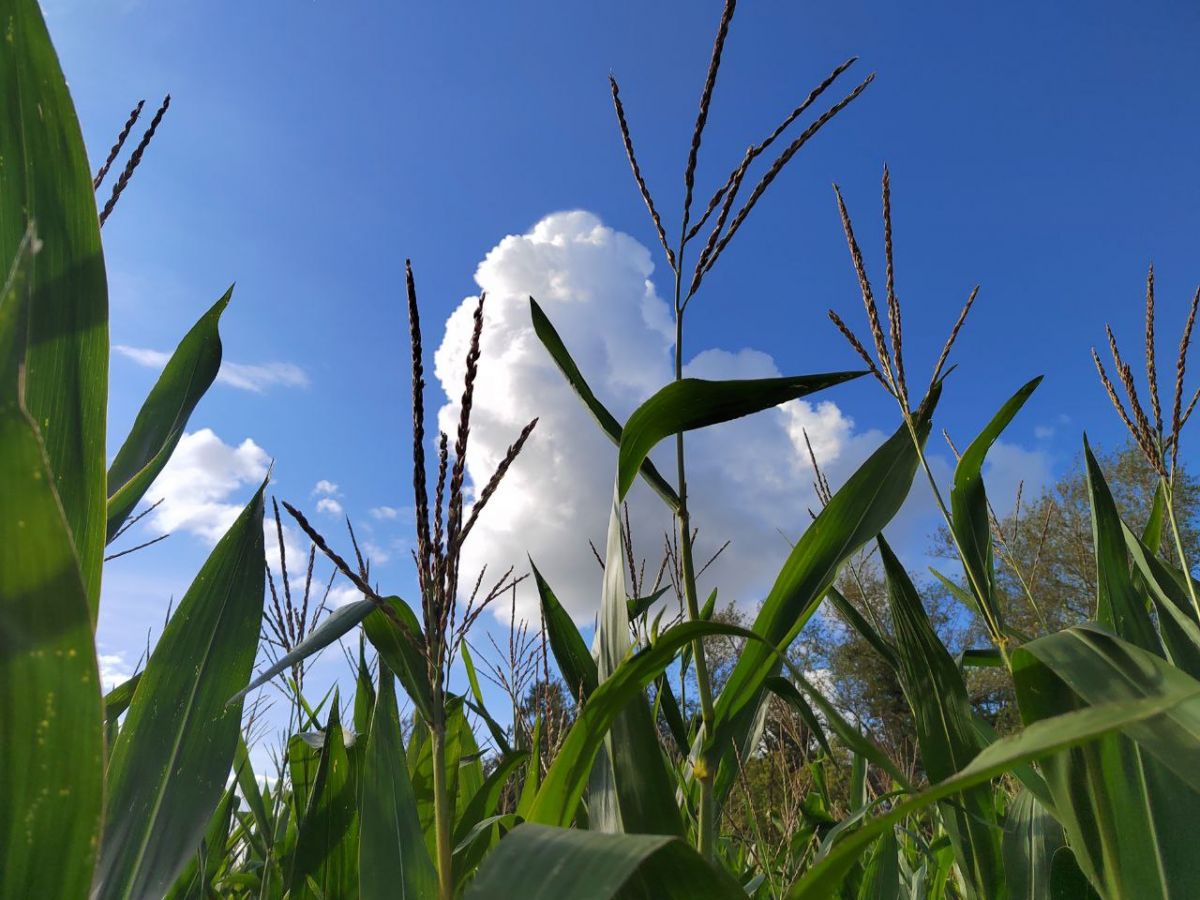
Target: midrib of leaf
[{"x": 190, "y": 710}]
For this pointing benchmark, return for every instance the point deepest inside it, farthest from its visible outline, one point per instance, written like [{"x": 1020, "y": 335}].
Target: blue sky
[{"x": 1045, "y": 151}]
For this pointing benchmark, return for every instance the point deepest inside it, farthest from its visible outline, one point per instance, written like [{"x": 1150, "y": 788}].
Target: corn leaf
[
  {"x": 969, "y": 505},
  {"x": 325, "y": 863},
  {"x": 538, "y": 863},
  {"x": 1124, "y": 801},
  {"x": 937, "y": 695},
  {"x": 696, "y": 403},
  {"x": 1037, "y": 740},
  {"x": 631, "y": 788},
  {"x": 575, "y": 661},
  {"x": 392, "y": 858},
  {"x": 399, "y": 649},
  {"x": 51, "y": 714},
  {"x": 45, "y": 179},
  {"x": 607, "y": 421},
  {"x": 171, "y": 759},
  {"x": 164, "y": 415},
  {"x": 856, "y": 514},
  {"x": 1118, "y": 604},
  {"x": 1031, "y": 839},
  {"x": 561, "y": 789},
  {"x": 332, "y": 627}
]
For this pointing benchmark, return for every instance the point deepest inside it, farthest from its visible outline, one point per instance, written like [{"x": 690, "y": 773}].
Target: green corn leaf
[
  {"x": 865, "y": 629},
  {"x": 364, "y": 693},
  {"x": 51, "y": 714},
  {"x": 332, "y": 627},
  {"x": 574, "y": 660},
  {"x": 485, "y": 800},
  {"x": 668, "y": 706},
  {"x": 639, "y": 605},
  {"x": 881, "y": 878},
  {"x": 117, "y": 700},
  {"x": 538, "y": 863},
  {"x": 195, "y": 882},
  {"x": 533, "y": 772},
  {"x": 1176, "y": 616},
  {"x": 45, "y": 179},
  {"x": 696, "y": 403},
  {"x": 969, "y": 506},
  {"x": 631, "y": 788},
  {"x": 249, "y": 787},
  {"x": 401, "y": 650},
  {"x": 325, "y": 862},
  {"x": 393, "y": 860},
  {"x": 562, "y": 788},
  {"x": 1038, "y": 740},
  {"x": 1118, "y": 604},
  {"x": 1125, "y": 801},
  {"x": 164, "y": 415},
  {"x": 1031, "y": 839},
  {"x": 937, "y": 695},
  {"x": 607, "y": 421},
  {"x": 849, "y": 735},
  {"x": 1152, "y": 535},
  {"x": 171, "y": 759},
  {"x": 856, "y": 514},
  {"x": 481, "y": 808},
  {"x": 786, "y": 691}
]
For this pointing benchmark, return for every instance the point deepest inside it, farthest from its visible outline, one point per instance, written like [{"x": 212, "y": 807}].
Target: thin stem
[
  {"x": 707, "y": 837},
  {"x": 441, "y": 802},
  {"x": 1000, "y": 639}
]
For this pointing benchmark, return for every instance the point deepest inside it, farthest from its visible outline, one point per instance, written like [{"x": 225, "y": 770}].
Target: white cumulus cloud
[
  {"x": 204, "y": 486},
  {"x": 750, "y": 480},
  {"x": 324, "y": 486},
  {"x": 383, "y": 513}
]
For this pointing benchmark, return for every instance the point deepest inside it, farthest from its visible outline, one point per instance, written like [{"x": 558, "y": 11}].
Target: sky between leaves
[{"x": 1045, "y": 151}]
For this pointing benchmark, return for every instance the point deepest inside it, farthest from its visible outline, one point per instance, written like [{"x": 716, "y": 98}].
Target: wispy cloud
[
  {"x": 383, "y": 513},
  {"x": 255, "y": 377}
]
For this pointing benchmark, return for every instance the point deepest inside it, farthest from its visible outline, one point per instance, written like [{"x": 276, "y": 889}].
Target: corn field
[{"x": 623, "y": 789}]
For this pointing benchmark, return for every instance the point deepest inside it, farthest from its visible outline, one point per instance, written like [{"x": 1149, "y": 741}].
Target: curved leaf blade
[
  {"x": 969, "y": 505},
  {"x": 51, "y": 713},
  {"x": 608, "y": 423},
  {"x": 171, "y": 759},
  {"x": 392, "y": 858},
  {"x": 693, "y": 403},
  {"x": 46, "y": 179},
  {"x": 539, "y": 863},
  {"x": 164, "y": 415},
  {"x": 857, "y": 513}
]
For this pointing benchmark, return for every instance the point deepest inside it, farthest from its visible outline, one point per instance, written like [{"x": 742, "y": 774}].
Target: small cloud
[
  {"x": 255, "y": 377},
  {"x": 328, "y": 488},
  {"x": 113, "y": 670},
  {"x": 384, "y": 513},
  {"x": 1043, "y": 432},
  {"x": 329, "y": 506}
]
